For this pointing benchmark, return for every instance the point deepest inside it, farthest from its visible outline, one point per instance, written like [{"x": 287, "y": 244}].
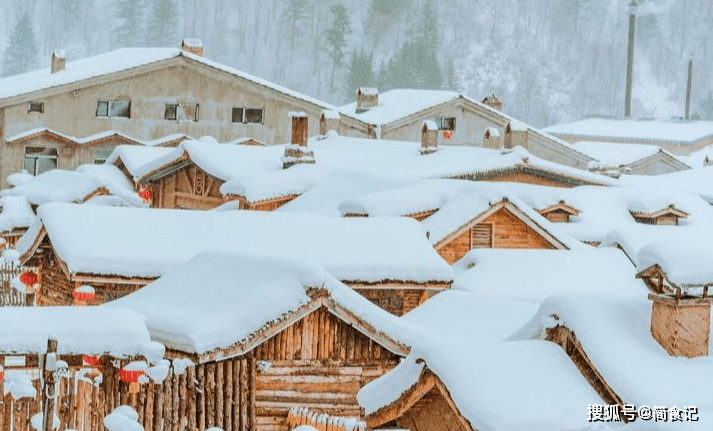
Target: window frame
[
  {"x": 38, "y": 156},
  {"x": 446, "y": 123},
  {"x": 174, "y": 107},
  {"x": 98, "y": 160},
  {"x": 262, "y": 115},
  {"x": 107, "y": 113},
  {"x": 244, "y": 115}
]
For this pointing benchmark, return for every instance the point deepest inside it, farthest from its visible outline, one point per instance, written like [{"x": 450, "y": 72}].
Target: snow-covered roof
[
  {"x": 118, "y": 61},
  {"x": 56, "y": 185},
  {"x": 614, "y": 154},
  {"x": 16, "y": 213},
  {"x": 533, "y": 275},
  {"x": 218, "y": 300},
  {"x": 645, "y": 129},
  {"x": 19, "y": 178},
  {"x": 94, "y": 139},
  {"x": 698, "y": 181},
  {"x": 397, "y": 104},
  {"x": 488, "y": 378},
  {"x": 684, "y": 258},
  {"x": 137, "y": 242},
  {"x": 615, "y": 334},
  {"x": 80, "y": 330}
]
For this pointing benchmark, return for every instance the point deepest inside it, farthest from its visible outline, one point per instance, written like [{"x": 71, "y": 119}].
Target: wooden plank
[
  {"x": 219, "y": 400},
  {"x": 193, "y": 398},
  {"x": 200, "y": 404}
]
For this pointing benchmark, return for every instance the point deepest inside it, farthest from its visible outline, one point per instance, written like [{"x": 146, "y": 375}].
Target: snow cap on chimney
[
  {"x": 367, "y": 98},
  {"x": 194, "y": 46}
]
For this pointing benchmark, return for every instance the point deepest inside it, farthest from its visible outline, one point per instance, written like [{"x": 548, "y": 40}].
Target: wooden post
[
  {"x": 49, "y": 391},
  {"x": 192, "y": 398},
  {"x": 243, "y": 394},
  {"x": 157, "y": 406},
  {"x": 251, "y": 388},
  {"x": 219, "y": 384},
  {"x": 200, "y": 414}
]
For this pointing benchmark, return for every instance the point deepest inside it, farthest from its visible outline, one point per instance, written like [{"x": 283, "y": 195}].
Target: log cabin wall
[
  {"x": 432, "y": 412},
  {"x": 557, "y": 216},
  {"x": 397, "y": 301},
  {"x": 189, "y": 188},
  {"x": 502, "y": 229},
  {"x": 56, "y": 287},
  {"x": 319, "y": 362}
]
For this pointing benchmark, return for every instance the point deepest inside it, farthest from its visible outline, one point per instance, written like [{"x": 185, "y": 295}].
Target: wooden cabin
[
  {"x": 72, "y": 247},
  {"x": 309, "y": 344},
  {"x": 559, "y": 212},
  {"x": 502, "y": 225},
  {"x": 426, "y": 405},
  {"x": 665, "y": 216}
]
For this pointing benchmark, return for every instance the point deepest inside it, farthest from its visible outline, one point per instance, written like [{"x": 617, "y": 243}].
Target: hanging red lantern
[
  {"x": 447, "y": 134},
  {"x": 91, "y": 360},
  {"x": 83, "y": 294},
  {"x": 145, "y": 194},
  {"x": 29, "y": 278}
]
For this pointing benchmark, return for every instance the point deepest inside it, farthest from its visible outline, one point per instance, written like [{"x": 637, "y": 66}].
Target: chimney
[
  {"x": 493, "y": 102},
  {"x": 681, "y": 324},
  {"x": 297, "y": 153},
  {"x": 367, "y": 98},
  {"x": 429, "y": 137},
  {"x": 630, "y": 58},
  {"x": 194, "y": 46},
  {"x": 491, "y": 138},
  {"x": 328, "y": 120},
  {"x": 59, "y": 59}
]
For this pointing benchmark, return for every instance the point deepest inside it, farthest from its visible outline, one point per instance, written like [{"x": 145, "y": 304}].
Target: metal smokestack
[
  {"x": 630, "y": 58},
  {"x": 688, "y": 89}
]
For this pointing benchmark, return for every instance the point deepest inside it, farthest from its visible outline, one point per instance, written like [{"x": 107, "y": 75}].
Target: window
[
  {"x": 253, "y": 116},
  {"x": 101, "y": 154},
  {"x": 40, "y": 159},
  {"x": 446, "y": 123},
  {"x": 238, "y": 115},
  {"x": 248, "y": 115},
  {"x": 114, "y": 108},
  {"x": 36, "y": 107},
  {"x": 481, "y": 236},
  {"x": 171, "y": 110},
  {"x": 181, "y": 112}
]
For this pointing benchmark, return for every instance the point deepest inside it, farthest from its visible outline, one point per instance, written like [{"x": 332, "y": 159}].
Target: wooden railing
[{"x": 10, "y": 296}]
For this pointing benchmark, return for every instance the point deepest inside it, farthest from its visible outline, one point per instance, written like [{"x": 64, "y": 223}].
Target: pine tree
[
  {"x": 22, "y": 52},
  {"x": 295, "y": 12},
  {"x": 706, "y": 107},
  {"x": 162, "y": 25},
  {"x": 360, "y": 72},
  {"x": 382, "y": 15},
  {"x": 336, "y": 38},
  {"x": 130, "y": 14}
]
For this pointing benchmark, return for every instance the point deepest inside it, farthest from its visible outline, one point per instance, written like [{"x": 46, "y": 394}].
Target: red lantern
[
  {"x": 91, "y": 360},
  {"x": 447, "y": 134},
  {"x": 130, "y": 376},
  {"x": 145, "y": 194},
  {"x": 83, "y": 294},
  {"x": 29, "y": 278}
]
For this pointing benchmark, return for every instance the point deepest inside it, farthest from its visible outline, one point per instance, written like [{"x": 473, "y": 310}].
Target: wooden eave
[
  {"x": 41, "y": 234},
  {"x": 73, "y": 360},
  {"x": 506, "y": 204},
  {"x": 662, "y": 212},
  {"x": 243, "y": 199},
  {"x": 165, "y": 170},
  {"x": 276, "y": 326},
  {"x": 398, "y": 284},
  {"x": 101, "y": 191},
  {"x": 427, "y": 381},
  {"x": 561, "y": 206},
  {"x": 525, "y": 168}
]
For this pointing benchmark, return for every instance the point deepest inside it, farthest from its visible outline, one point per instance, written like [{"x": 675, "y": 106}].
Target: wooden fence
[{"x": 9, "y": 296}]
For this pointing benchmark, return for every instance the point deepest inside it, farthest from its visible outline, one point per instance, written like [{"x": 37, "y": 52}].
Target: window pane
[
  {"x": 446, "y": 123},
  {"x": 238, "y": 115},
  {"x": 30, "y": 165},
  {"x": 188, "y": 112},
  {"x": 36, "y": 107},
  {"x": 170, "y": 113},
  {"x": 45, "y": 164},
  {"x": 101, "y": 154},
  {"x": 253, "y": 116},
  {"x": 119, "y": 108},
  {"x": 102, "y": 109}
]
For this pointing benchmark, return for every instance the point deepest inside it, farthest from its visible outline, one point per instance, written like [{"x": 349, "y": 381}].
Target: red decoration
[
  {"x": 2, "y": 374},
  {"x": 145, "y": 194},
  {"x": 29, "y": 278},
  {"x": 447, "y": 134},
  {"x": 91, "y": 360},
  {"x": 127, "y": 376},
  {"x": 83, "y": 296}
]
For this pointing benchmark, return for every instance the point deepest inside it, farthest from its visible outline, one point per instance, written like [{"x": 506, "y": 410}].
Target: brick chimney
[
  {"x": 491, "y": 138},
  {"x": 59, "y": 59},
  {"x": 297, "y": 153},
  {"x": 328, "y": 120},
  {"x": 194, "y": 46},
  {"x": 493, "y": 102},
  {"x": 681, "y": 325},
  {"x": 429, "y": 137},
  {"x": 367, "y": 98}
]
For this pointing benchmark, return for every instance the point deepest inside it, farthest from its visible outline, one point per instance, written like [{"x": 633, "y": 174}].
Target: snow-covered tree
[
  {"x": 21, "y": 54},
  {"x": 295, "y": 14},
  {"x": 360, "y": 73}
]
